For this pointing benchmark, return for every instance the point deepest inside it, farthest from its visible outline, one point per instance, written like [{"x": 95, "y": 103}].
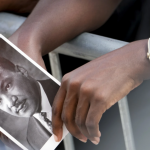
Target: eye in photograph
[{"x": 8, "y": 87}]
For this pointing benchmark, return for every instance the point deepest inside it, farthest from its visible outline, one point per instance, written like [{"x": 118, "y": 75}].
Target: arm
[{"x": 54, "y": 22}]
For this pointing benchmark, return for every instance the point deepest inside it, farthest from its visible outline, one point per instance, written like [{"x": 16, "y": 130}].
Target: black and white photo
[{"x": 26, "y": 98}]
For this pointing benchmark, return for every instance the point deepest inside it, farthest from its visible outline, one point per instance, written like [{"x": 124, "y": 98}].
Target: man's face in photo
[{"x": 19, "y": 93}]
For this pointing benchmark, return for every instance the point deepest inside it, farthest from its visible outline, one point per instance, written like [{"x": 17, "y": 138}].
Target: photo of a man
[{"x": 28, "y": 103}]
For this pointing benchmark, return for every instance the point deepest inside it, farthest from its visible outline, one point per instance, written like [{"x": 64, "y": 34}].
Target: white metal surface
[
  {"x": 89, "y": 46},
  {"x": 9, "y": 23},
  {"x": 126, "y": 124},
  {"x": 55, "y": 65},
  {"x": 86, "y": 46},
  {"x": 56, "y": 72}
]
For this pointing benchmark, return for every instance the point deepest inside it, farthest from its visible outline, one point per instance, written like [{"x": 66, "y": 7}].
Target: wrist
[
  {"x": 26, "y": 42},
  {"x": 29, "y": 46},
  {"x": 139, "y": 61}
]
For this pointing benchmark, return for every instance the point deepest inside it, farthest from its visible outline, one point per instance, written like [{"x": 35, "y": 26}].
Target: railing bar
[
  {"x": 55, "y": 65},
  {"x": 56, "y": 72},
  {"x": 126, "y": 124}
]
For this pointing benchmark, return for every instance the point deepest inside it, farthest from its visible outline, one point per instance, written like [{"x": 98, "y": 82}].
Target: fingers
[
  {"x": 79, "y": 110},
  {"x": 87, "y": 118},
  {"x": 93, "y": 118},
  {"x": 75, "y": 114},
  {"x": 68, "y": 115},
  {"x": 81, "y": 114},
  {"x": 56, "y": 114}
]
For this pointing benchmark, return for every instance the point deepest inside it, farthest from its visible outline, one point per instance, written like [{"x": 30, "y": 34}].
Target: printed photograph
[{"x": 26, "y": 99}]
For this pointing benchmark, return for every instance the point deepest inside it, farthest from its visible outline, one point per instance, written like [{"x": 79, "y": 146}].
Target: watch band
[{"x": 148, "y": 53}]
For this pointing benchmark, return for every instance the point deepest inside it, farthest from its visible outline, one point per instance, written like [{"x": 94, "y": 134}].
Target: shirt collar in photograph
[{"x": 45, "y": 105}]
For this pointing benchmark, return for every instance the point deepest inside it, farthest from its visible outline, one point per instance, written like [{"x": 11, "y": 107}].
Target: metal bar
[
  {"x": 89, "y": 46},
  {"x": 126, "y": 124},
  {"x": 56, "y": 72},
  {"x": 68, "y": 142},
  {"x": 86, "y": 46},
  {"x": 55, "y": 65},
  {"x": 9, "y": 23}
]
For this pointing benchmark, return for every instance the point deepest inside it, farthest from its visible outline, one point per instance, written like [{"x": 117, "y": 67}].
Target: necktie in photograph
[{"x": 48, "y": 122}]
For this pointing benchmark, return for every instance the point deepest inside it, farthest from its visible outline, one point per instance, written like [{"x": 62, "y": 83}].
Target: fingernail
[
  {"x": 82, "y": 140},
  {"x": 56, "y": 138},
  {"x": 96, "y": 140}
]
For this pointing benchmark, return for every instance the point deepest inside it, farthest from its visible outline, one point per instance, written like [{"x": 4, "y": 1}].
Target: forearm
[
  {"x": 54, "y": 22},
  {"x": 138, "y": 63}
]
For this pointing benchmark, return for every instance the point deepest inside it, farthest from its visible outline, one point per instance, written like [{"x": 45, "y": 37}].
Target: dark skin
[
  {"x": 87, "y": 92},
  {"x": 60, "y": 21}
]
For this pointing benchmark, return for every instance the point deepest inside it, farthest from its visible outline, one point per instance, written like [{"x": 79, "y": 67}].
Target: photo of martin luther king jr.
[{"x": 23, "y": 97}]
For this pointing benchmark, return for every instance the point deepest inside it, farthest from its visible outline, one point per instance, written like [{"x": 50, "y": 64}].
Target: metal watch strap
[{"x": 148, "y": 53}]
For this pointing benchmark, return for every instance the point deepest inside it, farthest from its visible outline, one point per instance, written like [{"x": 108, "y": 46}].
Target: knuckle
[
  {"x": 65, "y": 119},
  {"x": 90, "y": 123},
  {"x": 55, "y": 112},
  {"x": 85, "y": 88},
  {"x": 65, "y": 78},
  {"x": 74, "y": 83},
  {"x": 75, "y": 133},
  {"x": 101, "y": 101},
  {"x": 100, "y": 96},
  {"x": 79, "y": 122}
]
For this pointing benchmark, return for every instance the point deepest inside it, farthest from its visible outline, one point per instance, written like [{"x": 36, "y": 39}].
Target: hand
[{"x": 87, "y": 92}]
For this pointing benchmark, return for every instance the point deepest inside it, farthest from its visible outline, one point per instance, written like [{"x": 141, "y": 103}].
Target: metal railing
[{"x": 86, "y": 46}]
